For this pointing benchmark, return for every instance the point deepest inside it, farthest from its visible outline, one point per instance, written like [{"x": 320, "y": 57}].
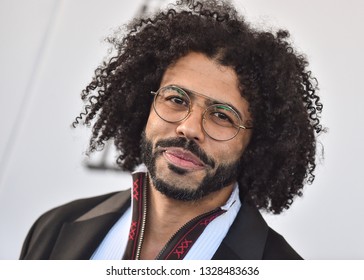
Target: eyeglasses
[{"x": 219, "y": 121}]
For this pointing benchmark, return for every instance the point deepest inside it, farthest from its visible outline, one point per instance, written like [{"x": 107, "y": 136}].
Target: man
[{"x": 215, "y": 119}]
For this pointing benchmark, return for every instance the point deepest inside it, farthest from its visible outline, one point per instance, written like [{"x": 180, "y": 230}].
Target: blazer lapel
[
  {"x": 80, "y": 238},
  {"x": 246, "y": 237}
]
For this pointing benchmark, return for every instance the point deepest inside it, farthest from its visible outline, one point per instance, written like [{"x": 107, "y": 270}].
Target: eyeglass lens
[{"x": 173, "y": 104}]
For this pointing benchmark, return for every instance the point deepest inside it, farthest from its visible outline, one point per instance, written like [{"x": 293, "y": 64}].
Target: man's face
[{"x": 184, "y": 162}]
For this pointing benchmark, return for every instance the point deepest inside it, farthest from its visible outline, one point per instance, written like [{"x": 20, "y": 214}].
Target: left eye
[
  {"x": 221, "y": 119},
  {"x": 221, "y": 116}
]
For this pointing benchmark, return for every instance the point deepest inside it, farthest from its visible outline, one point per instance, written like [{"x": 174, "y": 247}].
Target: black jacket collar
[{"x": 245, "y": 239}]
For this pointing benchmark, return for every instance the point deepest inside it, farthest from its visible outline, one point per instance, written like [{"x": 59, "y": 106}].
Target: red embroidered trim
[
  {"x": 136, "y": 189},
  {"x": 209, "y": 220},
  {"x": 132, "y": 232},
  {"x": 137, "y": 215},
  {"x": 185, "y": 242},
  {"x": 181, "y": 249}
]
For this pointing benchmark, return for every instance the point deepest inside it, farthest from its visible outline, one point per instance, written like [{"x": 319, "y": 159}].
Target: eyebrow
[{"x": 211, "y": 101}]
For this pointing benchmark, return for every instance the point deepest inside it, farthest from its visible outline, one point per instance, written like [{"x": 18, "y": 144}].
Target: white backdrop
[{"x": 49, "y": 49}]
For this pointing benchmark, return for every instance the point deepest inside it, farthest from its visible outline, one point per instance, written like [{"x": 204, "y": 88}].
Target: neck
[{"x": 165, "y": 216}]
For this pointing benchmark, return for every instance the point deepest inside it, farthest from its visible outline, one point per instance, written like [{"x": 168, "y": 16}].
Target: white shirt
[{"x": 113, "y": 245}]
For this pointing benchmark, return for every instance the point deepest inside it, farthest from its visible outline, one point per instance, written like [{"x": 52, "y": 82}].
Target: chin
[{"x": 178, "y": 192}]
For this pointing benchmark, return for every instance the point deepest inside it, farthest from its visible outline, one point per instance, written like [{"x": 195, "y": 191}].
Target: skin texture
[{"x": 273, "y": 78}]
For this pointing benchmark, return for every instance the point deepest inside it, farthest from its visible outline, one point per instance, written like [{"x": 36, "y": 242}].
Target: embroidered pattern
[
  {"x": 178, "y": 247},
  {"x": 136, "y": 189},
  {"x": 181, "y": 249},
  {"x": 132, "y": 232},
  {"x": 208, "y": 220}
]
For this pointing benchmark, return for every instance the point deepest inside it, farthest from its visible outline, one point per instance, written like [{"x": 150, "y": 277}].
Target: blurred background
[{"x": 48, "y": 52}]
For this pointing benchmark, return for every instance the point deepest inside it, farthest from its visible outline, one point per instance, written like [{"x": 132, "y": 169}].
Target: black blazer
[{"x": 74, "y": 231}]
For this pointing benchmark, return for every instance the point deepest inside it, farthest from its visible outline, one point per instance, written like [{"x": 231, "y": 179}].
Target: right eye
[
  {"x": 175, "y": 98},
  {"x": 177, "y": 101}
]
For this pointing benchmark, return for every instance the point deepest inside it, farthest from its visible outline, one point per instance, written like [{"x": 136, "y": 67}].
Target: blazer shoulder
[
  {"x": 72, "y": 210},
  {"x": 250, "y": 238},
  {"x": 46, "y": 228},
  {"x": 277, "y": 248}
]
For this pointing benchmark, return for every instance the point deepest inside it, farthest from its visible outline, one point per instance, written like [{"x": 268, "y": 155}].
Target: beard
[{"x": 223, "y": 176}]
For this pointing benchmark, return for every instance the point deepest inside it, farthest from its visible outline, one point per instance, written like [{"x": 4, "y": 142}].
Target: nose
[{"x": 191, "y": 127}]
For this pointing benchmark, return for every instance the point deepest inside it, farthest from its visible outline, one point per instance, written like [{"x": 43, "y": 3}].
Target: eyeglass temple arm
[{"x": 244, "y": 127}]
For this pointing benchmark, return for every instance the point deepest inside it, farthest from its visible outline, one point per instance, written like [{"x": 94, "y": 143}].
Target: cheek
[
  {"x": 153, "y": 123},
  {"x": 242, "y": 142},
  {"x": 230, "y": 152},
  {"x": 157, "y": 128},
  {"x": 149, "y": 126}
]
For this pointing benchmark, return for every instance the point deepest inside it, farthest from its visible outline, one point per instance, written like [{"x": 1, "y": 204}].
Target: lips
[{"x": 183, "y": 159}]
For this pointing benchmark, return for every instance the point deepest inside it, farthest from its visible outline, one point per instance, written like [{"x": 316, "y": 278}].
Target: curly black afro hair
[{"x": 284, "y": 105}]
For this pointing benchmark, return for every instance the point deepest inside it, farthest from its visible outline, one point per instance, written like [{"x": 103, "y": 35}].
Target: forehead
[{"x": 198, "y": 73}]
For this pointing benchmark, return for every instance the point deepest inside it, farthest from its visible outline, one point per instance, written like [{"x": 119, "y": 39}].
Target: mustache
[{"x": 188, "y": 145}]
